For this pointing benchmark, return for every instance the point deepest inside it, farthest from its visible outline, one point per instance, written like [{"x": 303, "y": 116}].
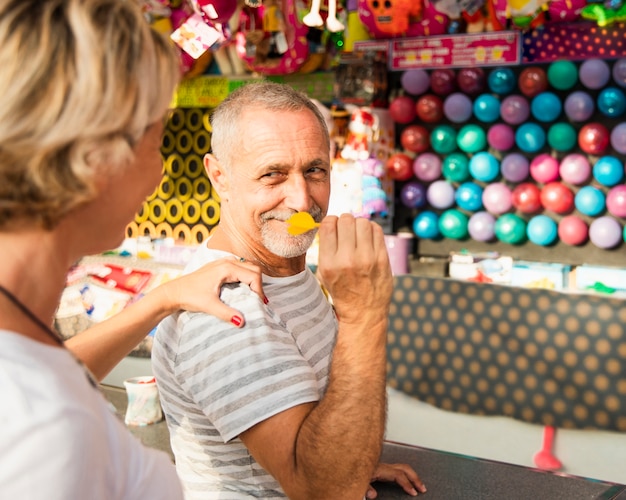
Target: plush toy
[
  {"x": 374, "y": 198},
  {"x": 314, "y": 20},
  {"x": 402, "y": 18},
  {"x": 518, "y": 14},
  {"x": 362, "y": 131}
]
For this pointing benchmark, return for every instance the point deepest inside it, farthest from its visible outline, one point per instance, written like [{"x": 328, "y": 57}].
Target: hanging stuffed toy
[
  {"x": 314, "y": 19},
  {"x": 362, "y": 132},
  {"x": 402, "y": 18},
  {"x": 273, "y": 40}
]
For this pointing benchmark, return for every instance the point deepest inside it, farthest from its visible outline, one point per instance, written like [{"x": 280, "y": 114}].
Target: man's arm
[{"x": 330, "y": 449}]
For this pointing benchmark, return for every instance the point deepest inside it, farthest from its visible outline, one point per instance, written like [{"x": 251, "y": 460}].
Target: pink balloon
[
  {"x": 514, "y": 167},
  {"x": 573, "y": 230},
  {"x": 427, "y": 167},
  {"x": 440, "y": 194},
  {"x": 544, "y": 168},
  {"x": 575, "y": 169},
  {"x": 497, "y": 198},
  {"x": 515, "y": 109},
  {"x": 616, "y": 201},
  {"x": 605, "y": 232},
  {"x": 501, "y": 137}
]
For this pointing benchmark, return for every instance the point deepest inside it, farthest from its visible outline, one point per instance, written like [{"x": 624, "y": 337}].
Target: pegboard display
[
  {"x": 518, "y": 159},
  {"x": 184, "y": 206}
]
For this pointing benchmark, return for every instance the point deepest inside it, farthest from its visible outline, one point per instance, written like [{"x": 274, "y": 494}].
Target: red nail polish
[
  {"x": 265, "y": 300},
  {"x": 236, "y": 320}
]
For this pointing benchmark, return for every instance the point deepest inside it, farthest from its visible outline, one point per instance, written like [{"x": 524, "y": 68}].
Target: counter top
[{"x": 447, "y": 476}]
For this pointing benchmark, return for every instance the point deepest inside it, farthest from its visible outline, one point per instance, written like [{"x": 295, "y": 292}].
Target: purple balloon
[
  {"x": 497, "y": 198},
  {"x": 605, "y": 232},
  {"x": 616, "y": 201},
  {"x": 413, "y": 195},
  {"x": 415, "y": 81},
  {"x": 440, "y": 194},
  {"x": 515, "y": 167},
  {"x": 618, "y": 138},
  {"x": 594, "y": 73},
  {"x": 575, "y": 169},
  {"x": 501, "y": 137},
  {"x": 481, "y": 226},
  {"x": 619, "y": 72},
  {"x": 579, "y": 106},
  {"x": 515, "y": 109},
  {"x": 427, "y": 167},
  {"x": 457, "y": 107}
]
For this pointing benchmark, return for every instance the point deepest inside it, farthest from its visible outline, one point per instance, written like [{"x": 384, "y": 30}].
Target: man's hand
[{"x": 401, "y": 474}]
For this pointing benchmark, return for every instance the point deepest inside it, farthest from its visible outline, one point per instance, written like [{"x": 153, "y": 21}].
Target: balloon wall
[{"x": 525, "y": 156}]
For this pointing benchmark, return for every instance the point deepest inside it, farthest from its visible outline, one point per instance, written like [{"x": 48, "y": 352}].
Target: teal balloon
[
  {"x": 511, "y": 229},
  {"x": 562, "y": 75},
  {"x": 455, "y": 167},
  {"x": 453, "y": 224},
  {"x": 530, "y": 137},
  {"x": 443, "y": 139},
  {"x": 562, "y": 137},
  {"x": 471, "y": 138}
]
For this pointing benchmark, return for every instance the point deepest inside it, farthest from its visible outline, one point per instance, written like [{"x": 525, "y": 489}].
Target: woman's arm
[{"x": 105, "y": 344}]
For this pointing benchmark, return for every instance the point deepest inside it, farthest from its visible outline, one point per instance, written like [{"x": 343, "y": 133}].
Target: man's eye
[{"x": 317, "y": 173}]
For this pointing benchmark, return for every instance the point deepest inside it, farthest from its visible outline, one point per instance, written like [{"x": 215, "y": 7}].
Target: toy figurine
[{"x": 362, "y": 130}]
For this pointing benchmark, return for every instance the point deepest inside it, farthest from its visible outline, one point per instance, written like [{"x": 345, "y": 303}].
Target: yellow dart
[{"x": 301, "y": 222}]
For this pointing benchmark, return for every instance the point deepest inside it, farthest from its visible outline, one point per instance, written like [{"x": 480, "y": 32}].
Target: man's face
[{"x": 283, "y": 167}]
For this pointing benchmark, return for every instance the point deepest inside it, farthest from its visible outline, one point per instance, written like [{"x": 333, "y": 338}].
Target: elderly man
[{"x": 294, "y": 403}]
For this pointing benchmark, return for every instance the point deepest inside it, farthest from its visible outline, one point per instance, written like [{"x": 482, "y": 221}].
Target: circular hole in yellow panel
[
  {"x": 183, "y": 189},
  {"x": 157, "y": 211},
  {"x": 210, "y": 212},
  {"x": 143, "y": 213},
  {"x": 206, "y": 121},
  {"x": 182, "y": 232},
  {"x": 176, "y": 120},
  {"x": 191, "y": 211},
  {"x": 168, "y": 143},
  {"x": 147, "y": 229},
  {"x": 199, "y": 233},
  {"x": 166, "y": 188},
  {"x": 132, "y": 230},
  {"x": 194, "y": 118},
  {"x": 201, "y": 188},
  {"x": 201, "y": 142},
  {"x": 163, "y": 230},
  {"x": 174, "y": 165},
  {"x": 174, "y": 211},
  {"x": 193, "y": 166},
  {"x": 184, "y": 141}
]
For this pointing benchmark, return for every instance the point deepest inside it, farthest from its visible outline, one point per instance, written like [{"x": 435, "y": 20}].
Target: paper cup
[
  {"x": 144, "y": 406},
  {"x": 399, "y": 249}
]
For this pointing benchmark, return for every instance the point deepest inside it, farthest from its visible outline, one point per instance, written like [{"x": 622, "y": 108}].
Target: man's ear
[{"x": 217, "y": 175}]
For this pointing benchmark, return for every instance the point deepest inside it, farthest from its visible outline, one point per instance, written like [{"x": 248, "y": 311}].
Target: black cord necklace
[{"x": 45, "y": 328}]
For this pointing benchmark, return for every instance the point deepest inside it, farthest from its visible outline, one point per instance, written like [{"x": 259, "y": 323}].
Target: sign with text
[{"x": 477, "y": 49}]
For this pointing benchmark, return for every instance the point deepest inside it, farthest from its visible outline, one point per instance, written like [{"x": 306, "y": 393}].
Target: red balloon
[
  {"x": 400, "y": 167},
  {"x": 402, "y": 109},
  {"x": 429, "y": 108},
  {"x": 443, "y": 81},
  {"x": 526, "y": 197},
  {"x": 533, "y": 81},
  {"x": 415, "y": 138},
  {"x": 593, "y": 138},
  {"x": 557, "y": 197},
  {"x": 573, "y": 230},
  {"x": 471, "y": 81}
]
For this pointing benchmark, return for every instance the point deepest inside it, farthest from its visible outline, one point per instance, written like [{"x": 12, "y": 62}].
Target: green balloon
[
  {"x": 455, "y": 167},
  {"x": 510, "y": 228},
  {"x": 443, "y": 139},
  {"x": 471, "y": 138},
  {"x": 562, "y": 75},
  {"x": 453, "y": 224},
  {"x": 562, "y": 137}
]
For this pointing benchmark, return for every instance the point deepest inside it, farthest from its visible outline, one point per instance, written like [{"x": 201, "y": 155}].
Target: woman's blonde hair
[{"x": 80, "y": 82}]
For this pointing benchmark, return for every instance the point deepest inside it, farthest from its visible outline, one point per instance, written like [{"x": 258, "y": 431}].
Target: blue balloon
[
  {"x": 469, "y": 196},
  {"x": 487, "y": 108},
  {"x": 612, "y": 102},
  {"x": 502, "y": 81},
  {"x": 608, "y": 171},
  {"x": 426, "y": 225},
  {"x": 542, "y": 230},
  {"x": 546, "y": 107},
  {"x": 484, "y": 166},
  {"x": 590, "y": 201},
  {"x": 530, "y": 137}
]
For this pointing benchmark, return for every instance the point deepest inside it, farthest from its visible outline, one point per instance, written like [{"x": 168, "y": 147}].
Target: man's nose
[{"x": 298, "y": 194}]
